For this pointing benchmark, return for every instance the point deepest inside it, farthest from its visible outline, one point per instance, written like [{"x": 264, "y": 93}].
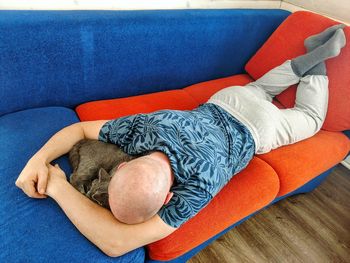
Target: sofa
[{"x": 62, "y": 67}]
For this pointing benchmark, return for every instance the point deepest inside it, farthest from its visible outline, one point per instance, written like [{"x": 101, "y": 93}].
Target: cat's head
[
  {"x": 99, "y": 188},
  {"x": 83, "y": 186}
]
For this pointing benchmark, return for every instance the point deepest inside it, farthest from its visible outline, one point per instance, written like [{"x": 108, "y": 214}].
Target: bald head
[{"x": 138, "y": 189}]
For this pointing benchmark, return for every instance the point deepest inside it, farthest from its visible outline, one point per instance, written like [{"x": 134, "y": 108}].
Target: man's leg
[
  {"x": 307, "y": 116},
  {"x": 274, "y": 82},
  {"x": 280, "y": 78},
  {"x": 309, "y": 112}
]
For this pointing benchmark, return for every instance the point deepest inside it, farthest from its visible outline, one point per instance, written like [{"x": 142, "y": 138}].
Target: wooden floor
[{"x": 312, "y": 227}]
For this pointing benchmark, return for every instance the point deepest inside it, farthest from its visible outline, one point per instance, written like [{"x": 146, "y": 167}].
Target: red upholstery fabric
[
  {"x": 298, "y": 163},
  {"x": 183, "y": 99},
  {"x": 287, "y": 42},
  {"x": 201, "y": 92},
  {"x": 248, "y": 191},
  {"x": 110, "y": 109},
  {"x": 236, "y": 200}
]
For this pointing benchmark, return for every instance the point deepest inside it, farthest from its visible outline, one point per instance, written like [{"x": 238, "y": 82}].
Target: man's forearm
[
  {"x": 60, "y": 143},
  {"x": 95, "y": 222}
]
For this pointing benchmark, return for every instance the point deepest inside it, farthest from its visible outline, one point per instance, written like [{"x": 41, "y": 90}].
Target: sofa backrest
[{"x": 65, "y": 58}]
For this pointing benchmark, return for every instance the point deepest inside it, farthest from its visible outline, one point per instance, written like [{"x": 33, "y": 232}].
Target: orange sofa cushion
[
  {"x": 182, "y": 99},
  {"x": 248, "y": 191},
  {"x": 298, "y": 163},
  {"x": 201, "y": 92},
  {"x": 287, "y": 42},
  {"x": 114, "y": 108}
]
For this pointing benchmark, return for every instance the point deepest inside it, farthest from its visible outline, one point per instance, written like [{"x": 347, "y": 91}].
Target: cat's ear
[
  {"x": 103, "y": 175},
  {"x": 101, "y": 198}
]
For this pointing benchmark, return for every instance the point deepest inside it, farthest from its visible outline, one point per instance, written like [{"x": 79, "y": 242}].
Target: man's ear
[
  {"x": 168, "y": 197},
  {"x": 121, "y": 164}
]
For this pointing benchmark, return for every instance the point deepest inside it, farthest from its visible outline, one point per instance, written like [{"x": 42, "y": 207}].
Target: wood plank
[{"x": 311, "y": 227}]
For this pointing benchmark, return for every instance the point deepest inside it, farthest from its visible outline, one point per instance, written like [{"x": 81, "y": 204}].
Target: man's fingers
[
  {"x": 29, "y": 190},
  {"x": 42, "y": 182}
]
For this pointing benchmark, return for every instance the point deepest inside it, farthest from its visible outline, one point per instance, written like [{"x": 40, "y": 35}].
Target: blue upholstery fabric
[
  {"x": 65, "y": 58},
  {"x": 36, "y": 230}
]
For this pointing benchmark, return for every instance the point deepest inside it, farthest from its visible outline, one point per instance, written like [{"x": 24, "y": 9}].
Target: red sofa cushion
[
  {"x": 183, "y": 99},
  {"x": 287, "y": 42},
  {"x": 201, "y": 92},
  {"x": 236, "y": 200},
  {"x": 114, "y": 108},
  {"x": 248, "y": 191},
  {"x": 298, "y": 163}
]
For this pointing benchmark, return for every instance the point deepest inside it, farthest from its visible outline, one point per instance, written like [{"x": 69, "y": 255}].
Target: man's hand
[
  {"x": 56, "y": 176},
  {"x": 33, "y": 178}
]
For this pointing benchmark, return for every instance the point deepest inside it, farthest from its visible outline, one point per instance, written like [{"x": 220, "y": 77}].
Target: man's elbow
[
  {"x": 111, "y": 247},
  {"x": 113, "y": 251}
]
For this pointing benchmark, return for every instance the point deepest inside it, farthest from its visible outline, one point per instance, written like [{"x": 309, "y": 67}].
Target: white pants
[
  {"x": 309, "y": 112},
  {"x": 272, "y": 127}
]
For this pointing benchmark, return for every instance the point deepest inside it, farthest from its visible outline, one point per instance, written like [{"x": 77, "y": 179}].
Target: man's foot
[
  {"x": 319, "y": 39},
  {"x": 329, "y": 49},
  {"x": 333, "y": 46},
  {"x": 316, "y": 40}
]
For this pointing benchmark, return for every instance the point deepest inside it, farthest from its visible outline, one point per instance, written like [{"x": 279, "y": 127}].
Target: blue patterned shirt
[{"x": 206, "y": 147}]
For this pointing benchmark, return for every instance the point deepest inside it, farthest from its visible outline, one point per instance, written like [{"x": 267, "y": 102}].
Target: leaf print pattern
[{"x": 206, "y": 147}]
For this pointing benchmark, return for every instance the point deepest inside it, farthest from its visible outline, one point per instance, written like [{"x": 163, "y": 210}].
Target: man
[{"x": 191, "y": 155}]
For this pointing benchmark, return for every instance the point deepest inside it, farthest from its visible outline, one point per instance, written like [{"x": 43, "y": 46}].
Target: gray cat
[{"x": 93, "y": 163}]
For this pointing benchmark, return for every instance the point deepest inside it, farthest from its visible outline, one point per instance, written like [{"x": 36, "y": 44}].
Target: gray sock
[
  {"x": 330, "y": 49},
  {"x": 314, "y": 41},
  {"x": 319, "y": 69}
]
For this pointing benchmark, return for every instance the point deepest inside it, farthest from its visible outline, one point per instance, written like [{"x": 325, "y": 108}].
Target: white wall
[
  {"x": 136, "y": 4},
  {"x": 336, "y": 9}
]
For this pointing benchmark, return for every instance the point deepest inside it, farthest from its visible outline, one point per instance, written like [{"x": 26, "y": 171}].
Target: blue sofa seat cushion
[{"x": 37, "y": 230}]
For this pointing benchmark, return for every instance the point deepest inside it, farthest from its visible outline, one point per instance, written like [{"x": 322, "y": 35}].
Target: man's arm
[
  {"x": 63, "y": 141},
  {"x": 33, "y": 178},
  {"x": 99, "y": 225}
]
